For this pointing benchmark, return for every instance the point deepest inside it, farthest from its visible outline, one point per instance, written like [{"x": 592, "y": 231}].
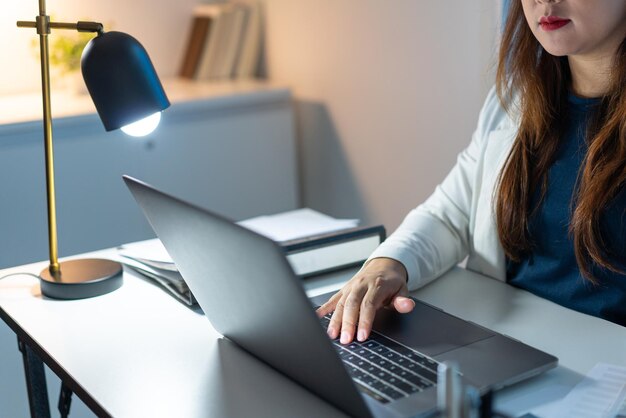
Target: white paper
[
  {"x": 601, "y": 394},
  {"x": 152, "y": 250},
  {"x": 283, "y": 226},
  {"x": 296, "y": 224}
]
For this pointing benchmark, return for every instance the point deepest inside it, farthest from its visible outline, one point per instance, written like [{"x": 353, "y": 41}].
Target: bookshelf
[{"x": 23, "y": 108}]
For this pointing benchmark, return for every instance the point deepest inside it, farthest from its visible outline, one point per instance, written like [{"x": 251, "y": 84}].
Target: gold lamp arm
[
  {"x": 80, "y": 26},
  {"x": 43, "y": 26}
]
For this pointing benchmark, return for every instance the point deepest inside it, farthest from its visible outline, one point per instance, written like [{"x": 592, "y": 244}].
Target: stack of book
[
  {"x": 224, "y": 42},
  {"x": 314, "y": 244}
]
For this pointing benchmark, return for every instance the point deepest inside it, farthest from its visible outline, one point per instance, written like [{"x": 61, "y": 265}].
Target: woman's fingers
[
  {"x": 355, "y": 310},
  {"x": 372, "y": 301},
  {"x": 403, "y": 304},
  {"x": 329, "y": 306},
  {"x": 335, "y": 320},
  {"x": 351, "y": 311},
  {"x": 381, "y": 282}
]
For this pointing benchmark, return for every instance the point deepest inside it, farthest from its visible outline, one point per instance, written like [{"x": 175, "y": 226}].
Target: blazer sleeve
[{"x": 435, "y": 236}]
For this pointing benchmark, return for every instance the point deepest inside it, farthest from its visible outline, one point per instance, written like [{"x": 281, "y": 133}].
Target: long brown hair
[{"x": 536, "y": 84}]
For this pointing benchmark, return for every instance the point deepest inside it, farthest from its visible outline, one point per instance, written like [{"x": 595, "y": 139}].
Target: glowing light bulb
[{"x": 143, "y": 126}]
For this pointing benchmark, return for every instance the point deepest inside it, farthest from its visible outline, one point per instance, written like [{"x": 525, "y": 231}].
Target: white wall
[{"x": 388, "y": 93}]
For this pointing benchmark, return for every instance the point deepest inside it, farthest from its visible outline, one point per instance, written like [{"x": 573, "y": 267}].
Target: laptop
[{"x": 392, "y": 374}]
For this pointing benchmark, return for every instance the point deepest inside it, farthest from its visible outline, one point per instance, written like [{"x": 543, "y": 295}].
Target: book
[
  {"x": 202, "y": 30},
  {"x": 213, "y": 55},
  {"x": 335, "y": 244},
  {"x": 232, "y": 42},
  {"x": 195, "y": 45},
  {"x": 324, "y": 253},
  {"x": 248, "y": 61}
]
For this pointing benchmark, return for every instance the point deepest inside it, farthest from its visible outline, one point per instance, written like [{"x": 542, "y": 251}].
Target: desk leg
[
  {"x": 35, "y": 382},
  {"x": 65, "y": 401}
]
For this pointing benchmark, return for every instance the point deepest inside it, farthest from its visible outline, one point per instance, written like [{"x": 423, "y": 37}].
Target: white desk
[{"x": 139, "y": 352}]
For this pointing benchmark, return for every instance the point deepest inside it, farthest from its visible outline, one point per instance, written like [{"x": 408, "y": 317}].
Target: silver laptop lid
[{"x": 248, "y": 291}]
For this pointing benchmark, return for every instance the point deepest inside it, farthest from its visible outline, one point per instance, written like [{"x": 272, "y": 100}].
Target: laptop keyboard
[{"x": 384, "y": 369}]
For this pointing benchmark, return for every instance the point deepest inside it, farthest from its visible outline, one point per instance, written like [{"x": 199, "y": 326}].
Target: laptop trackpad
[{"x": 428, "y": 329}]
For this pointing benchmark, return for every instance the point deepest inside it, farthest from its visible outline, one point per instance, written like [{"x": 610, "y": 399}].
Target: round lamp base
[{"x": 81, "y": 279}]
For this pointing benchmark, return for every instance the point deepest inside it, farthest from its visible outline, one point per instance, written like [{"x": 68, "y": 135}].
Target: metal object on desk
[
  {"x": 449, "y": 391},
  {"x": 71, "y": 283},
  {"x": 455, "y": 400}
]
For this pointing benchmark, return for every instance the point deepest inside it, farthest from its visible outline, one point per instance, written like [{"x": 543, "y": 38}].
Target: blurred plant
[{"x": 66, "y": 49}]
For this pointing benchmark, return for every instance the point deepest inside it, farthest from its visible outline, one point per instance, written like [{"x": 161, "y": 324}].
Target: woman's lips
[{"x": 550, "y": 23}]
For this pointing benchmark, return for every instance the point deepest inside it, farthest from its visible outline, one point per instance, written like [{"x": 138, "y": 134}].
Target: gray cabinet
[{"x": 230, "y": 149}]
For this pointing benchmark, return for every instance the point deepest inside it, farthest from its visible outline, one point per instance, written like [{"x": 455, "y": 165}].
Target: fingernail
[
  {"x": 345, "y": 337},
  {"x": 361, "y": 335},
  {"x": 331, "y": 332}
]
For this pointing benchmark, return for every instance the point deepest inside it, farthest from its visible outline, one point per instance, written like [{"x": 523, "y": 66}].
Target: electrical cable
[{"x": 36, "y": 276}]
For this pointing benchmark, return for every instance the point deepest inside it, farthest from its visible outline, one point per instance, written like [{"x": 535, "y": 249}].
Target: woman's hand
[{"x": 381, "y": 283}]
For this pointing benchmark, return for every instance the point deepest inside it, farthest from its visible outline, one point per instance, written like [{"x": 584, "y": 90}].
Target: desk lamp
[{"x": 127, "y": 94}]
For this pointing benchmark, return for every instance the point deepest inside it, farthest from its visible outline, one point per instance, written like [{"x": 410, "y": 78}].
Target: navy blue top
[{"x": 550, "y": 271}]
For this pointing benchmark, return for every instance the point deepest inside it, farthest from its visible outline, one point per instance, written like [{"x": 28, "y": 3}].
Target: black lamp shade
[{"x": 121, "y": 80}]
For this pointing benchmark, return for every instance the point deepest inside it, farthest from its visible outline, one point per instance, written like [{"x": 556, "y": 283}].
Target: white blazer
[{"x": 458, "y": 219}]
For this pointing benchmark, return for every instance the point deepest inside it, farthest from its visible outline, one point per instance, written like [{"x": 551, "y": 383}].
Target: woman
[{"x": 537, "y": 199}]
